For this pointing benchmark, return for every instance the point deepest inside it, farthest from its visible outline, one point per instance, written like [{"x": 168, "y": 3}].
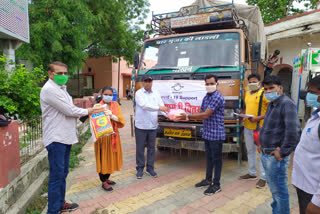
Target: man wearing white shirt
[
  {"x": 59, "y": 116},
  {"x": 306, "y": 162},
  {"x": 148, "y": 104}
]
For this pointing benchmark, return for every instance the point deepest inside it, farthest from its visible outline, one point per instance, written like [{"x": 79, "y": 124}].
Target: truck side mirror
[
  {"x": 256, "y": 52},
  {"x": 136, "y": 60}
]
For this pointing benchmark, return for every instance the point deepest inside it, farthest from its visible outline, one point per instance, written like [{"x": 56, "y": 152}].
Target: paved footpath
[{"x": 172, "y": 192}]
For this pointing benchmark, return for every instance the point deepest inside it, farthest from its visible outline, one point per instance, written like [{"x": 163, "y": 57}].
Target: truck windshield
[{"x": 189, "y": 53}]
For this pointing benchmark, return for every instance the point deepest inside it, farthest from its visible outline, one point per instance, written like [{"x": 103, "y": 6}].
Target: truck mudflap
[{"x": 189, "y": 136}]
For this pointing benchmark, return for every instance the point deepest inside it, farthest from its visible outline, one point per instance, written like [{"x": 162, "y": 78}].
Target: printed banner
[{"x": 181, "y": 94}]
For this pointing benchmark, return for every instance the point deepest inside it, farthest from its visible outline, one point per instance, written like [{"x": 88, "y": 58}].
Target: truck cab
[{"x": 190, "y": 44}]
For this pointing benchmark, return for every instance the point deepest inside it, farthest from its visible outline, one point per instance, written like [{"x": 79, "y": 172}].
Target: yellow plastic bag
[{"x": 100, "y": 123}]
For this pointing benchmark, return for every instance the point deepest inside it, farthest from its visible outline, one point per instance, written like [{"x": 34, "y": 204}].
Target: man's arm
[
  {"x": 256, "y": 119},
  {"x": 202, "y": 115},
  {"x": 59, "y": 102},
  {"x": 144, "y": 105},
  {"x": 163, "y": 109},
  {"x": 314, "y": 205},
  {"x": 291, "y": 126},
  {"x": 274, "y": 60}
]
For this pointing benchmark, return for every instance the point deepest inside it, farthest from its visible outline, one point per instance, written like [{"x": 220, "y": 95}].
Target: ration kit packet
[{"x": 100, "y": 123}]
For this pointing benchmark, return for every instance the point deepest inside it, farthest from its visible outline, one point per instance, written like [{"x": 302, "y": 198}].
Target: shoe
[
  {"x": 107, "y": 187},
  {"x": 110, "y": 182},
  {"x": 248, "y": 177},
  {"x": 139, "y": 174},
  {"x": 261, "y": 184},
  {"x": 202, "y": 184},
  {"x": 212, "y": 189},
  {"x": 152, "y": 173},
  {"x": 66, "y": 207}
]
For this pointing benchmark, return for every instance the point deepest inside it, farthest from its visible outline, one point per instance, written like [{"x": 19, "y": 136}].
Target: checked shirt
[{"x": 213, "y": 127}]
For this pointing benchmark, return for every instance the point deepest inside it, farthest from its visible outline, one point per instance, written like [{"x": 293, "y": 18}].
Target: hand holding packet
[
  {"x": 100, "y": 123},
  {"x": 174, "y": 113}
]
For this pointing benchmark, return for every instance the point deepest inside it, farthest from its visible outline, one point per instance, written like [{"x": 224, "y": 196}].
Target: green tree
[
  {"x": 273, "y": 10},
  {"x": 118, "y": 33},
  {"x": 20, "y": 91},
  {"x": 66, "y": 30},
  {"x": 58, "y": 31}
]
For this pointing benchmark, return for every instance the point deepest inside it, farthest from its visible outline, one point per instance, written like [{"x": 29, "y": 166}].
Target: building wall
[
  {"x": 102, "y": 67},
  {"x": 290, "y": 47},
  {"x": 106, "y": 72},
  {"x": 124, "y": 69}
]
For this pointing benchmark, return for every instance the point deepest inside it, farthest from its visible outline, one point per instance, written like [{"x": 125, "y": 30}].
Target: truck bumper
[
  {"x": 195, "y": 142},
  {"x": 193, "y": 145}
]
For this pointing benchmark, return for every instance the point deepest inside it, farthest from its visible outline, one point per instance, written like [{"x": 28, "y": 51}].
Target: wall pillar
[
  {"x": 9, "y": 48},
  {"x": 9, "y": 153}
]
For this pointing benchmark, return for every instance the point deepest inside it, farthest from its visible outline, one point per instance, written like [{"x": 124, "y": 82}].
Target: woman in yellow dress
[{"x": 108, "y": 150}]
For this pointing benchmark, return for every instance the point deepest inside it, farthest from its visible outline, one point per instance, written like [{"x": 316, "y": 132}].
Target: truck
[
  {"x": 207, "y": 37},
  {"x": 306, "y": 64}
]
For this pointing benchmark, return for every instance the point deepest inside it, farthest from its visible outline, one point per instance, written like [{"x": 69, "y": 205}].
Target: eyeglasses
[{"x": 61, "y": 73}]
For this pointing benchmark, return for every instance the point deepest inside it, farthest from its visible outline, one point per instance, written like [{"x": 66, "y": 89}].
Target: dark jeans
[
  {"x": 58, "y": 155},
  {"x": 304, "y": 199},
  {"x": 104, "y": 177},
  {"x": 267, "y": 71},
  {"x": 143, "y": 138},
  {"x": 214, "y": 160}
]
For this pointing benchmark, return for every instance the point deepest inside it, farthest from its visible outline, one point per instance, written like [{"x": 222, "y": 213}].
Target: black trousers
[
  {"x": 103, "y": 177},
  {"x": 304, "y": 199},
  {"x": 267, "y": 71}
]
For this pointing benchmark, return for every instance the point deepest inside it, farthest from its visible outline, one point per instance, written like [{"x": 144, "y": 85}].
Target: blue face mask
[
  {"x": 107, "y": 99},
  {"x": 312, "y": 100},
  {"x": 272, "y": 96}
]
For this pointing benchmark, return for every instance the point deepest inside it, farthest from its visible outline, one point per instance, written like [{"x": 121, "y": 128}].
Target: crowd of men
[{"x": 273, "y": 117}]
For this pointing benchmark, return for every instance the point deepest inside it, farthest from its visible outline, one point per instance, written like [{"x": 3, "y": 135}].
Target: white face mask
[
  {"x": 211, "y": 88},
  {"x": 254, "y": 86},
  {"x": 107, "y": 99}
]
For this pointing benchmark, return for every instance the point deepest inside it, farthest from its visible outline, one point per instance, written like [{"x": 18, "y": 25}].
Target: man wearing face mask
[
  {"x": 148, "y": 104},
  {"x": 59, "y": 117},
  {"x": 254, "y": 99},
  {"x": 212, "y": 114},
  {"x": 279, "y": 136},
  {"x": 306, "y": 162}
]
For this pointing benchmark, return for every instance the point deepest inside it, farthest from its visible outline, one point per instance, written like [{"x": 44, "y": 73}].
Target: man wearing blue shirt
[
  {"x": 306, "y": 162},
  {"x": 212, "y": 114},
  {"x": 279, "y": 136},
  {"x": 148, "y": 104}
]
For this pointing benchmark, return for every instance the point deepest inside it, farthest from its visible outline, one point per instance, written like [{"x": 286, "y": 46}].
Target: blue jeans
[
  {"x": 277, "y": 177},
  {"x": 214, "y": 160},
  {"x": 58, "y": 155},
  {"x": 143, "y": 138}
]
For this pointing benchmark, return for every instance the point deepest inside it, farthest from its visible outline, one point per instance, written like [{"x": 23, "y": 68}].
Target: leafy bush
[{"x": 20, "y": 90}]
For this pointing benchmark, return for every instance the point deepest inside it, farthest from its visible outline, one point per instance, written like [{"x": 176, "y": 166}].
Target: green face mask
[{"x": 61, "y": 79}]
